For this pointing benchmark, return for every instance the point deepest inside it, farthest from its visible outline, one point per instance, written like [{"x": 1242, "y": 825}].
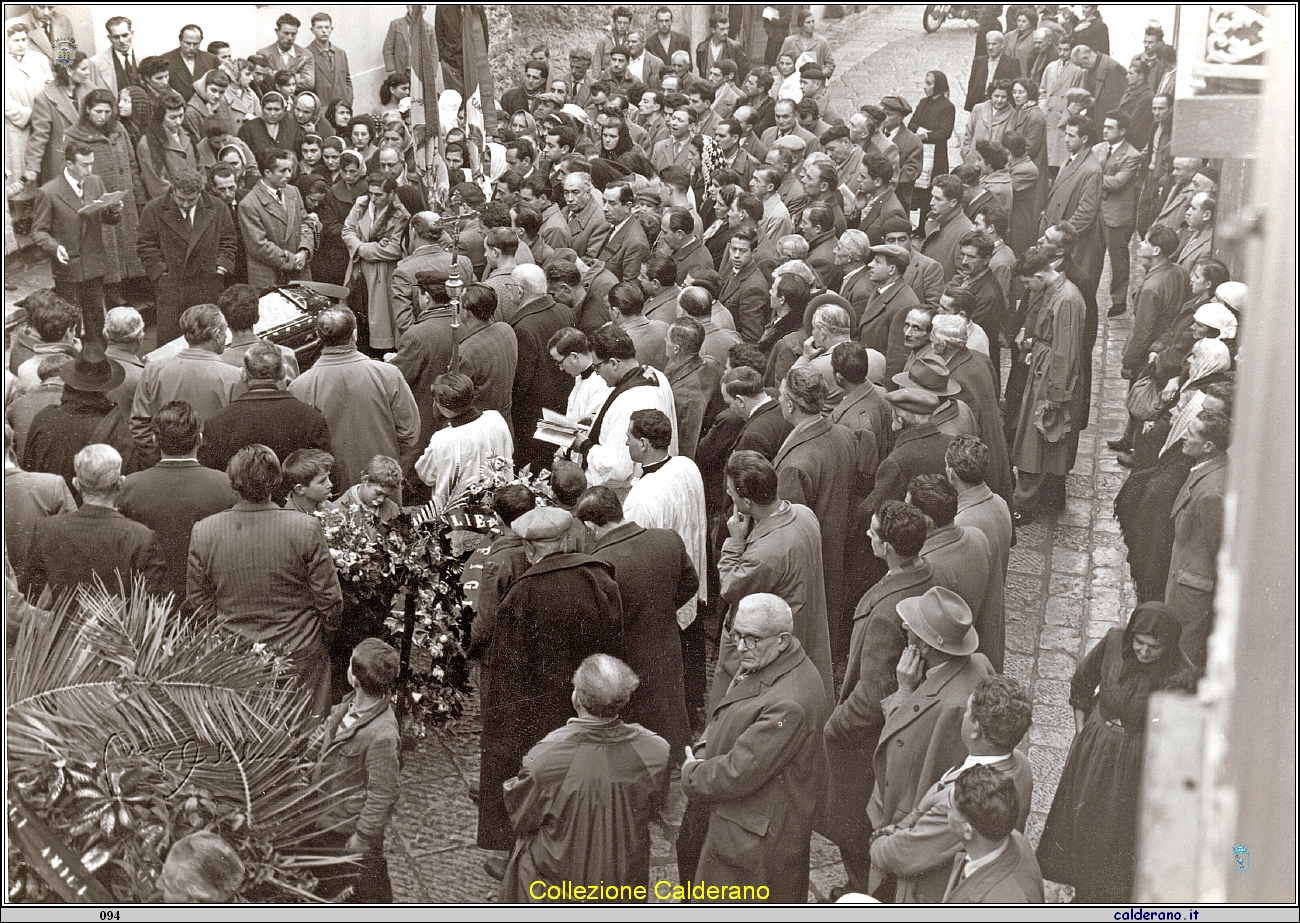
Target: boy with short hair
[
  {"x": 361, "y": 744},
  {"x": 306, "y": 473},
  {"x": 380, "y": 482}
]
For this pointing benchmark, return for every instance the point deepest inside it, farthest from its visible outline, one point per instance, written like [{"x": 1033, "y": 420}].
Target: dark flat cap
[{"x": 895, "y": 104}]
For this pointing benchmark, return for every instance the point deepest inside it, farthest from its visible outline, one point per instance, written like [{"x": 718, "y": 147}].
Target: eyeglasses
[{"x": 749, "y": 641}]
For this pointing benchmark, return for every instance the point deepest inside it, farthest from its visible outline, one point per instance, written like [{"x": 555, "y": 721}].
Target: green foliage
[{"x": 130, "y": 725}]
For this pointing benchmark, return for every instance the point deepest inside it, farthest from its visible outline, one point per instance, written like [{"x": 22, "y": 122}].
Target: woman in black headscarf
[
  {"x": 1089, "y": 838},
  {"x": 331, "y": 255},
  {"x": 933, "y": 122}
]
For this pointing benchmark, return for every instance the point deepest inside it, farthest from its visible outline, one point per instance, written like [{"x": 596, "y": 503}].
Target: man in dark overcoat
[
  {"x": 68, "y": 225},
  {"x": 539, "y": 382},
  {"x": 817, "y": 466},
  {"x": 564, "y": 608},
  {"x": 897, "y": 535},
  {"x": 761, "y": 766},
  {"x": 655, "y": 578},
  {"x": 188, "y": 244}
]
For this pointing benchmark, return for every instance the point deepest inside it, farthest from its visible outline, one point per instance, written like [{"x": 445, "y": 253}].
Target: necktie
[{"x": 49, "y": 31}]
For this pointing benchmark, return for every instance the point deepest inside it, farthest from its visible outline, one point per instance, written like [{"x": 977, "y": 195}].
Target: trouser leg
[{"x": 1117, "y": 246}]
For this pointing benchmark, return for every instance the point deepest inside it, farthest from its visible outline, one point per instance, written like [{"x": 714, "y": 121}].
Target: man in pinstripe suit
[{"x": 267, "y": 572}]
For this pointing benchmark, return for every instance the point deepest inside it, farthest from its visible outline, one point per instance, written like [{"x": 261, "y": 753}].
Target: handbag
[{"x": 1144, "y": 401}]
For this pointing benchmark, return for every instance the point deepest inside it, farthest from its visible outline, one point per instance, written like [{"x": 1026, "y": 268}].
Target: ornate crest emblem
[
  {"x": 1241, "y": 857},
  {"x": 64, "y": 50}
]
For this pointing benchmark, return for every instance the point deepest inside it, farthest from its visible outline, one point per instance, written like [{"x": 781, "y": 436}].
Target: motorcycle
[{"x": 936, "y": 14}]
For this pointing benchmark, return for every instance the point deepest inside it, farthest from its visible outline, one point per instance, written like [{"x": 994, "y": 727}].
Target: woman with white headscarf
[
  {"x": 1208, "y": 363},
  {"x": 1143, "y": 505}
]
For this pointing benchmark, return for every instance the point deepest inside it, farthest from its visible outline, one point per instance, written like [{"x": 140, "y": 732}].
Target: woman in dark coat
[
  {"x": 135, "y": 118},
  {"x": 116, "y": 165},
  {"x": 563, "y": 609},
  {"x": 274, "y": 128},
  {"x": 330, "y": 260},
  {"x": 933, "y": 122},
  {"x": 717, "y": 239},
  {"x": 352, "y": 180},
  {"x": 1031, "y": 122},
  {"x": 1089, "y": 838}
]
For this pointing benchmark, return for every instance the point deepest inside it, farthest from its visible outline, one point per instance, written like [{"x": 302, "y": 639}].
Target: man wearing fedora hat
[
  {"x": 961, "y": 558},
  {"x": 953, "y": 417},
  {"x": 563, "y": 608},
  {"x": 84, "y": 415},
  {"x": 937, "y": 673}
]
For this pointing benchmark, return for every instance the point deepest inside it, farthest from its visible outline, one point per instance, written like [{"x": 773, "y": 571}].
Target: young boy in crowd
[
  {"x": 360, "y": 747},
  {"x": 380, "y": 482},
  {"x": 306, "y": 473}
]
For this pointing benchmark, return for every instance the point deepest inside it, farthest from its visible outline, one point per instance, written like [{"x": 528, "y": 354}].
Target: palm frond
[{"x": 124, "y": 710}]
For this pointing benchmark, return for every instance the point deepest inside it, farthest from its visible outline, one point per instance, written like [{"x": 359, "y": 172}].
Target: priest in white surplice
[
  {"x": 670, "y": 495},
  {"x": 463, "y": 449},
  {"x": 633, "y": 387}
]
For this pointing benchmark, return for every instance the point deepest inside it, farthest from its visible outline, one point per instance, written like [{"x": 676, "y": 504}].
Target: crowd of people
[{"x": 814, "y": 376}]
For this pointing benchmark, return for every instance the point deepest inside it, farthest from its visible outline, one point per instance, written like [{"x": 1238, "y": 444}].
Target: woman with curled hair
[
  {"x": 717, "y": 239},
  {"x": 363, "y": 133},
  {"x": 98, "y": 128},
  {"x": 339, "y": 114},
  {"x": 1090, "y": 836},
  {"x": 989, "y": 119},
  {"x": 374, "y": 233},
  {"x": 1030, "y": 122},
  {"x": 394, "y": 89},
  {"x": 54, "y": 110}
]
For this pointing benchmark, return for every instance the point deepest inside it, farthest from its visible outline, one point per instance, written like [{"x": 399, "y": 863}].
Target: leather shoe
[
  {"x": 495, "y": 865},
  {"x": 1125, "y": 459},
  {"x": 1118, "y": 445},
  {"x": 1022, "y": 517},
  {"x": 1116, "y": 310}
]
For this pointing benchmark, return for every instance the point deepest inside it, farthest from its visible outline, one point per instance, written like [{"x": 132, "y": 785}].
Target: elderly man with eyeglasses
[{"x": 761, "y": 758}]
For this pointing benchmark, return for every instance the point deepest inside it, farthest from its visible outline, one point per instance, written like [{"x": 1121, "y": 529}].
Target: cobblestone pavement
[{"x": 1067, "y": 582}]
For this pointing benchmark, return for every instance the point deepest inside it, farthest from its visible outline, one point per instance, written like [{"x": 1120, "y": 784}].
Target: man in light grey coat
[{"x": 368, "y": 403}]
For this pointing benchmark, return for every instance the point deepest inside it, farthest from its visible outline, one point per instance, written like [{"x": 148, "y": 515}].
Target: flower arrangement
[{"x": 419, "y": 555}]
